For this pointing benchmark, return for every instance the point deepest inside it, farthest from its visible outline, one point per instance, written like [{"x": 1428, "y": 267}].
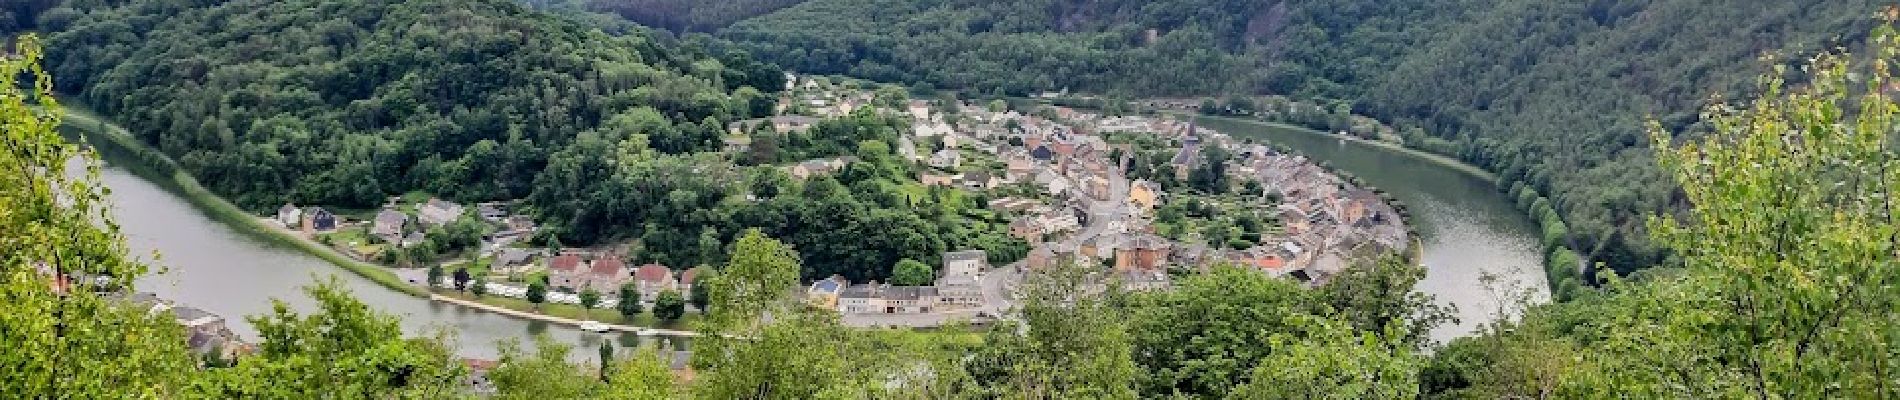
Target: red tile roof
[
  {"x": 609, "y": 266},
  {"x": 1064, "y": 149},
  {"x": 652, "y": 273},
  {"x": 565, "y": 263},
  {"x": 1270, "y": 262}
]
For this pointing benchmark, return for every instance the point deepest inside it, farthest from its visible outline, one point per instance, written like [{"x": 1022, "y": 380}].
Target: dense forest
[
  {"x": 686, "y": 15},
  {"x": 1554, "y": 95},
  {"x": 343, "y": 103},
  {"x": 1550, "y": 94},
  {"x": 1011, "y": 48}
]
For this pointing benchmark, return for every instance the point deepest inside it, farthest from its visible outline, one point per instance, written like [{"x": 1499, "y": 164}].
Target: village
[
  {"x": 1061, "y": 175},
  {"x": 1066, "y": 187}
]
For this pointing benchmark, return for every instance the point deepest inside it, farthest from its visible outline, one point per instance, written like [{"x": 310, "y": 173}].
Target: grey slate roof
[
  {"x": 965, "y": 255},
  {"x": 513, "y": 257},
  {"x": 859, "y": 291},
  {"x": 909, "y": 292}
]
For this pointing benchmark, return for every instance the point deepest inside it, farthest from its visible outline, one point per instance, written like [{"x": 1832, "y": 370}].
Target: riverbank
[
  {"x": 161, "y": 169},
  {"x": 1565, "y": 269},
  {"x": 1434, "y": 158},
  {"x": 98, "y": 132},
  {"x": 558, "y": 320}
]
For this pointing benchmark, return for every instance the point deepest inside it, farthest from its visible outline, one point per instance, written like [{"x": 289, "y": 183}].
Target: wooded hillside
[
  {"x": 345, "y": 102},
  {"x": 1547, "y": 93}
]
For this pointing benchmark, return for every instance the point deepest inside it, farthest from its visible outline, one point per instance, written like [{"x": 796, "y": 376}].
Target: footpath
[{"x": 558, "y": 320}]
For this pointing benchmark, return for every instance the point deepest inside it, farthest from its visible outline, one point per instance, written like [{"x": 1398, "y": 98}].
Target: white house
[
  {"x": 1055, "y": 183},
  {"x": 946, "y": 159},
  {"x": 290, "y": 216},
  {"x": 960, "y": 284},
  {"x": 438, "y": 212}
]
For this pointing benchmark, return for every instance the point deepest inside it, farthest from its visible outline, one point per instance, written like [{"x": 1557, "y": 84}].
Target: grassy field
[{"x": 356, "y": 238}]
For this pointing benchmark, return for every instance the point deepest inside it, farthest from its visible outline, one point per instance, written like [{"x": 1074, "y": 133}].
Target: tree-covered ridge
[
  {"x": 1008, "y": 47},
  {"x": 1197, "y": 47},
  {"x": 344, "y": 103},
  {"x": 1553, "y": 94},
  {"x": 688, "y": 15},
  {"x": 1786, "y": 289},
  {"x": 1547, "y": 93}
]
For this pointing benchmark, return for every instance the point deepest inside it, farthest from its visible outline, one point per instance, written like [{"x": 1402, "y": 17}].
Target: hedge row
[{"x": 1563, "y": 266}]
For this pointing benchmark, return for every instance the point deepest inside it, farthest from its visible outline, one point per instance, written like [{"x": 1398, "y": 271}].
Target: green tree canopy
[
  {"x": 669, "y": 306},
  {"x": 344, "y": 349},
  {"x": 909, "y": 272}
]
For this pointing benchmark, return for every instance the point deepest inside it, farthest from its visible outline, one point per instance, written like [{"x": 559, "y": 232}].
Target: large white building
[
  {"x": 961, "y": 282},
  {"x": 438, "y": 212}
]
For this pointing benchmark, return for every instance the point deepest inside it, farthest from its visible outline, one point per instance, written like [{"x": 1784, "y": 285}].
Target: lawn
[
  {"x": 355, "y": 238},
  {"x": 911, "y": 189},
  {"x": 347, "y": 235},
  {"x": 478, "y": 268}
]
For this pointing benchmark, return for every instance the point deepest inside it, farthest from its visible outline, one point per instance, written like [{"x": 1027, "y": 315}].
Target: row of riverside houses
[
  {"x": 958, "y": 286},
  {"x": 310, "y": 221},
  {"x": 391, "y": 224},
  {"x": 1328, "y": 219},
  {"x": 607, "y": 274},
  {"x": 205, "y": 333}
]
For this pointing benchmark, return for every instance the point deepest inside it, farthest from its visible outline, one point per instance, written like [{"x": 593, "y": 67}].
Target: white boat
[{"x": 594, "y": 326}]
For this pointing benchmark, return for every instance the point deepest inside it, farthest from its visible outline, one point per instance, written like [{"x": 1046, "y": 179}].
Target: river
[
  {"x": 208, "y": 265},
  {"x": 1468, "y": 227}
]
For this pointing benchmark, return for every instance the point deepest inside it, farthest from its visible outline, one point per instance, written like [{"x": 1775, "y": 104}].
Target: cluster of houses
[
  {"x": 311, "y": 221},
  {"x": 1064, "y": 158},
  {"x": 205, "y": 333},
  {"x": 958, "y": 286},
  {"x": 820, "y": 97},
  {"x": 817, "y": 167},
  {"x": 606, "y": 273},
  {"x": 1040, "y": 222},
  {"x": 1327, "y": 219},
  {"x": 392, "y": 225}
]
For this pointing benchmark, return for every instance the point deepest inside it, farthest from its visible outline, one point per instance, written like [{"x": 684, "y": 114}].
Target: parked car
[{"x": 595, "y": 327}]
